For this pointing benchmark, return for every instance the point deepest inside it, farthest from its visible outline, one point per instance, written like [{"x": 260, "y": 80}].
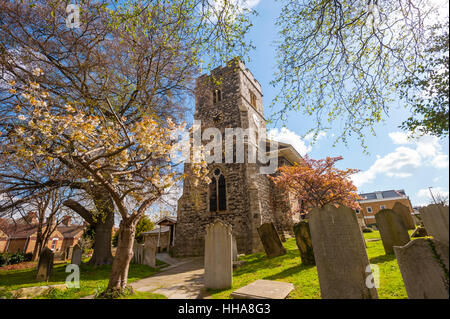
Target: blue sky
[{"x": 393, "y": 162}]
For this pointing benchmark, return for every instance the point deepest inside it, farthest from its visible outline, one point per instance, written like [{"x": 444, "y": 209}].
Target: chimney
[
  {"x": 31, "y": 218},
  {"x": 66, "y": 220}
]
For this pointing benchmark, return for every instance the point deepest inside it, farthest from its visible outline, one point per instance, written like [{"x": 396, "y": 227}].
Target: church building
[{"x": 230, "y": 97}]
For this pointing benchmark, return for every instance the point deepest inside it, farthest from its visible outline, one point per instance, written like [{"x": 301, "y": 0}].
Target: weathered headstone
[
  {"x": 76, "y": 255},
  {"x": 218, "y": 256},
  {"x": 341, "y": 258},
  {"x": 45, "y": 265},
  {"x": 424, "y": 267},
  {"x": 263, "y": 289},
  {"x": 392, "y": 230},
  {"x": 270, "y": 240},
  {"x": 435, "y": 219},
  {"x": 235, "y": 251},
  {"x": 149, "y": 253},
  {"x": 304, "y": 243},
  {"x": 405, "y": 214}
]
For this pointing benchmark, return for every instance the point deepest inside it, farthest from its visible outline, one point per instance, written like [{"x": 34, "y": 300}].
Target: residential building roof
[
  {"x": 383, "y": 195},
  {"x": 156, "y": 230},
  {"x": 71, "y": 231}
]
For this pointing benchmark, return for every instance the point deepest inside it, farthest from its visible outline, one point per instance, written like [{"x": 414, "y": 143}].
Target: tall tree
[
  {"x": 318, "y": 183},
  {"x": 427, "y": 90},
  {"x": 342, "y": 62},
  {"x": 126, "y": 60}
]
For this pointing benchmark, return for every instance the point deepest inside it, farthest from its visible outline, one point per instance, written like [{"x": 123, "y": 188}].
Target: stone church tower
[{"x": 238, "y": 194}]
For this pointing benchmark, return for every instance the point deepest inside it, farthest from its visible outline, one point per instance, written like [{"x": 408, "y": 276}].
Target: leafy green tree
[
  {"x": 144, "y": 224},
  {"x": 341, "y": 62},
  {"x": 430, "y": 88}
]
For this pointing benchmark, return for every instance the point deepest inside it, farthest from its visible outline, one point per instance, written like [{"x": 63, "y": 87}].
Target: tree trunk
[
  {"x": 124, "y": 253},
  {"x": 102, "y": 242},
  {"x": 103, "y": 226},
  {"x": 36, "y": 250}
]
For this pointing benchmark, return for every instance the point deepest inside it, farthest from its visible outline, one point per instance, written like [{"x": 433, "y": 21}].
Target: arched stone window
[
  {"x": 217, "y": 192},
  {"x": 217, "y": 96}
]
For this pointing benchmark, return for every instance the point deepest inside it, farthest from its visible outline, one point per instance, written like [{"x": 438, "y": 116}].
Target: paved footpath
[{"x": 181, "y": 280}]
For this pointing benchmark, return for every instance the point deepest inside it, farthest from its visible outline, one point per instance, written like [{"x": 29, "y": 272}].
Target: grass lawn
[
  {"x": 288, "y": 268},
  {"x": 92, "y": 280}
]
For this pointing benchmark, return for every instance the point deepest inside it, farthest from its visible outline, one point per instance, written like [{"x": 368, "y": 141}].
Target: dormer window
[
  {"x": 252, "y": 99},
  {"x": 217, "y": 96}
]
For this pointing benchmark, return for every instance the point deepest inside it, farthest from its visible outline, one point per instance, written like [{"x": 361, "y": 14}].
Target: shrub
[
  {"x": 12, "y": 259},
  {"x": 28, "y": 256}
]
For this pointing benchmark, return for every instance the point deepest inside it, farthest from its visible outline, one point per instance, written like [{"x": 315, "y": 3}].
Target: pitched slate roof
[
  {"x": 70, "y": 231},
  {"x": 389, "y": 194},
  {"x": 156, "y": 230}
]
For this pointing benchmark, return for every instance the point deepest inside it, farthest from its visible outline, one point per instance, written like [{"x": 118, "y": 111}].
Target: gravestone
[
  {"x": 218, "y": 256},
  {"x": 304, "y": 243},
  {"x": 149, "y": 252},
  {"x": 45, "y": 265},
  {"x": 76, "y": 255},
  {"x": 405, "y": 214},
  {"x": 435, "y": 220},
  {"x": 392, "y": 230},
  {"x": 235, "y": 251},
  {"x": 263, "y": 289},
  {"x": 270, "y": 240},
  {"x": 424, "y": 267},
  {"x": 340, "y": 254}
]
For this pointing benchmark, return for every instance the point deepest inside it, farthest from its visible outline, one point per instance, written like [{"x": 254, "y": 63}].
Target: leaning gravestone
[
  {"x": 405, "y": 214},
  {"x": 76, "y": 255},
  {"x": 424, "y": 267},
  {"x": 304, "y": 243},
  {"x": 392, "y": 230},
  {"x": 342, "y": 263},
  {"x": 218, "y": 256},
  {"x": 270, "y": 240},
  {"x": 435, "y": 219},
  {"x": 45, "y": 265}
]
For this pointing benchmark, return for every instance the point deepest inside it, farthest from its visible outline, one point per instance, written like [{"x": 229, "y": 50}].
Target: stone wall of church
[{"x": 248, "y": 193}]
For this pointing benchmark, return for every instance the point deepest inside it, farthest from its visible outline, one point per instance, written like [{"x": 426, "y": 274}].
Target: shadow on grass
[
  {"x": 382, "y": 259},
  {"x": 261, "y": 262},
  {"x": 289, "y": 272}
]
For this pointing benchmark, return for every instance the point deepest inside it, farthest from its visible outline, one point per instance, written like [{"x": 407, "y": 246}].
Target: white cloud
[
  {"x": 287, "y": 136},
  {"x": 424, "y": 195},
  {"x": 427, "y": 152},
  {"x": 399, "y": 138},
  {"x": 310, "y": 136}
]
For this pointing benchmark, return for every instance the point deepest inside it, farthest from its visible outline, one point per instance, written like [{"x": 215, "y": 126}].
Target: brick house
[
  {"x": 3, "y": 240},
  {"x": 373, "y": 202},
  {"x": 22, "y": 235}
]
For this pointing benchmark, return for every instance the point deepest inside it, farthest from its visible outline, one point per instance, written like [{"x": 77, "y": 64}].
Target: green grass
[
  {"x": 92, "y": 280},
  {"x": 288, "y": 268}
]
